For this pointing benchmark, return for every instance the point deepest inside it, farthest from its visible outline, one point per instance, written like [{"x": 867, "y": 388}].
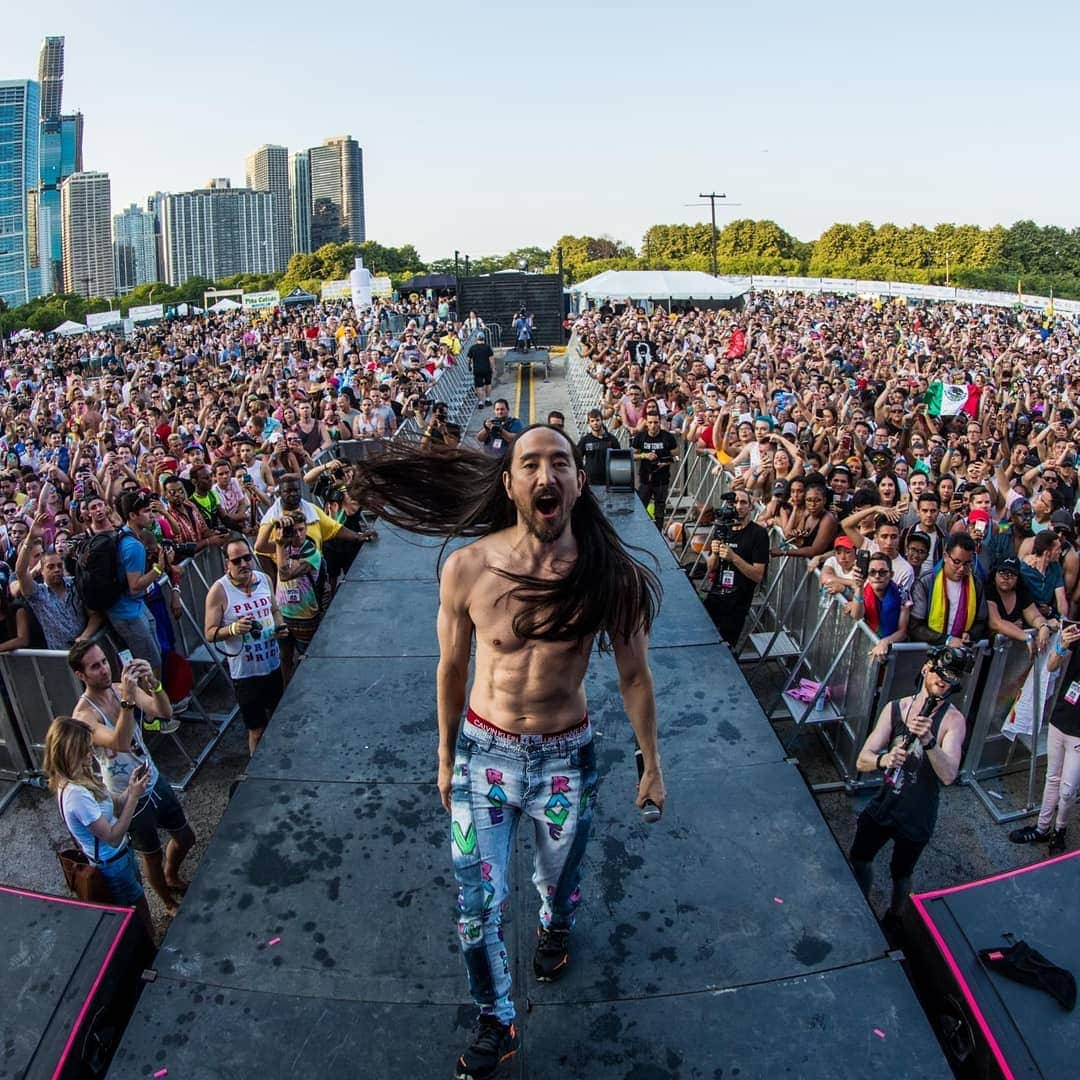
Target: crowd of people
[
  {"x": 125, "y": 459},
  {"x": 922, "y": 457}
]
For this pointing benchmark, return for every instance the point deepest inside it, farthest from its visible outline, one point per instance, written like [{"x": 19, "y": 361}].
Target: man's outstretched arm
[
  {"x": 636, "y": 687},
  {"x": 455, "y": 630}
]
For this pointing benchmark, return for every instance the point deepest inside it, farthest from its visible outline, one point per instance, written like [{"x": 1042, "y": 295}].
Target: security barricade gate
[
  {"x": 39, "y": 685},
  {"x": 775, "y": 630},
  {"x": 14, "y": 759},
  {"x": 992, "y": 754}
]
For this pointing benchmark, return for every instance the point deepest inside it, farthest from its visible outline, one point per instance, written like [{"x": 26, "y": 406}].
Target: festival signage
[
  {"x": 146, "y": 313},
  {"x": 382, "y": 286},
  {"x": 336, "y": 290},
  {"x": 259, "y": 301},
  {"x": 99, "y": 320}
]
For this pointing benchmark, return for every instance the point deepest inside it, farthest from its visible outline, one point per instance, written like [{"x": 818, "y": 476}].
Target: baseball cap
[
  {"x": 789, "y": 428},
  {"x": 1062, "y": 517},
  {"x": 843, "y": 542},
  {"x": 1010, "y": 565}
]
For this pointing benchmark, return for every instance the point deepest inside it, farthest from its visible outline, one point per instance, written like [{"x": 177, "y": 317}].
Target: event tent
[
  {"x": 224, "y": 305},
  {"x": 298, "y": 296},
  {"x": 656, "y": 285},
  {"x": 70, "y": 327},
  {"x": 428, "y": 281}
]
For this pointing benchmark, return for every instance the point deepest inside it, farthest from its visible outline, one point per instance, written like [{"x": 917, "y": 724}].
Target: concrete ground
[{"x": 968, "y": 844}]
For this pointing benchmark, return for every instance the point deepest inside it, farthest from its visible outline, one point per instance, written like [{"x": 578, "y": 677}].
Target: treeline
[{"x": 1043, "y": 259}]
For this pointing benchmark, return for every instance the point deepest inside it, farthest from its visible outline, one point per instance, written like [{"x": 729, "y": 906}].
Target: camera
[
  {"x": 726, "y": 516},
  {"x": 287, "y": 527},
  {"x": 179, "y": 550},
  {"x": 951, "y": 662}
]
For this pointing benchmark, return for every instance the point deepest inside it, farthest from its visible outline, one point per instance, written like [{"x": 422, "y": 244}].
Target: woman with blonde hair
[{"x": 90, "y": 813}]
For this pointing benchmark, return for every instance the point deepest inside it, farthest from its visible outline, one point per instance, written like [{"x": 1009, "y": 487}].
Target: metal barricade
[
  {"x": 584, "y": 391},
  {"x": 991, "y": 754},
  {"x": 40, "y": 685},
  {"x": 14, "y": 759},
  {"x": 778, "y": 624}
]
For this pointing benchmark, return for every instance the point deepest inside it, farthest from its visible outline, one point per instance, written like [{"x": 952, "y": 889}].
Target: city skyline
[{"x": 837, "y": 115}]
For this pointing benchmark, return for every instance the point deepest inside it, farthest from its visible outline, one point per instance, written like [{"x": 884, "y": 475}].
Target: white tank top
[
  {"x": 116, "y": 768},
  {"x": 257, "y": 653}
]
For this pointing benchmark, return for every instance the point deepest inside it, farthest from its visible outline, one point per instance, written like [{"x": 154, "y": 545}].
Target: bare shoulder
[
  {"x": 953, "y": 720},
  {"x": 462, "y": 569}
]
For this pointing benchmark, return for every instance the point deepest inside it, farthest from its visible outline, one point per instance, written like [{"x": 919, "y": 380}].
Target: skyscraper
[
  {"x": 217, "y": 232},
  {"x": 337, "y": 192},
  {"x": 20, "y": 255},
  {"x": 268, "y": 170},
  {"x": 85, "y": 221},
  {"x": 300, "y": 201},
  {"x": 61, "y": 155},
  {"x": 134, "y": 248}
]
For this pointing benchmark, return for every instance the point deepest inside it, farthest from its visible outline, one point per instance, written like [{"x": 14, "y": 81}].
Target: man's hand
[
  {"x": 650, "y": 788},
  {"x": 879, "y": 652},
  {"x": 444, "y": 782},
  {"x": 894, "y": 758},
  {"x": 919, "y": 726}
]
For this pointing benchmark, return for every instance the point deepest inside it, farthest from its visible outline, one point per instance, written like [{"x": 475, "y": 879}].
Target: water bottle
[{"x": 819, "y": 704}]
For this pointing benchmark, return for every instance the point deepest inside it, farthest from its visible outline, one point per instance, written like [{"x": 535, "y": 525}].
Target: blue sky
[{"x": 535, "y": 121}]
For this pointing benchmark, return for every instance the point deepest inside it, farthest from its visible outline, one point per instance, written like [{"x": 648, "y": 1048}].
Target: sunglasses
[
  {"x": 241, "y": 559},
  {"x": 879, "y": 573}
]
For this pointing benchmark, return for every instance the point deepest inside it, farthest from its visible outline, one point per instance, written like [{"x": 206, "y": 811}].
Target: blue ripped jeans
[{"x": 497, "y": 779}]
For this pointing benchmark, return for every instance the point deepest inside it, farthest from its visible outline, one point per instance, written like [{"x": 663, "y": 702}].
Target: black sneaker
[
  {"x": 1029, "y": 834},
  {"x": 552, "y": 957},
  {"x": 492, "y": 1043},
  {"x": 1057, "y": 842}
]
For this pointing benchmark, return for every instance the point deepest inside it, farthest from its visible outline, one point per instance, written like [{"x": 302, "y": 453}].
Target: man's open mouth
[{"x": 547, "y": 505}]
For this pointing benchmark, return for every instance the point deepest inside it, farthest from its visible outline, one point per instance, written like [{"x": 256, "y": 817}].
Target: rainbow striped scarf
[{"x": 939, "y": 606}]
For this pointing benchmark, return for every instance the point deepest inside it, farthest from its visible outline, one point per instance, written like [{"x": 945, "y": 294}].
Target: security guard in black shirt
[
  {"x": 654, "y": 451},
  {"x": 593, "y": 447}
]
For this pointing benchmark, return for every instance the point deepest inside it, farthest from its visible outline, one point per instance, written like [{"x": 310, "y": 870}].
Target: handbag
[{"x": 83, "y": 878}]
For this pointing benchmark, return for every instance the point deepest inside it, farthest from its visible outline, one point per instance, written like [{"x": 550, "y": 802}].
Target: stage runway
[{"x": 318, "y": 936}]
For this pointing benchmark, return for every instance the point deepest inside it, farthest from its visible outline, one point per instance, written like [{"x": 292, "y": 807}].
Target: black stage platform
[
  {"x": 1014, "y": 1030},
  {"x": 728, "y": 940},
  {"x": 69, "y": 974}
]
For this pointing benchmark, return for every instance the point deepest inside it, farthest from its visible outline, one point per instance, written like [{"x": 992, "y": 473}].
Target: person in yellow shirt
[{"x": 320, "y": 526}]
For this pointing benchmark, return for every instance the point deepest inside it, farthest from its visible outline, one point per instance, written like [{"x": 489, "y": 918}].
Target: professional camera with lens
[
  {"x": 726, "y": 516},
  {"x": 178, "y": 550},
  {"x": 286, "y": 527},
  {"x": 951, "y": 662}
]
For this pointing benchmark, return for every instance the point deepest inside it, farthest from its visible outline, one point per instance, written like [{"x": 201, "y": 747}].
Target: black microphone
[{"x": 650, "y": 812}]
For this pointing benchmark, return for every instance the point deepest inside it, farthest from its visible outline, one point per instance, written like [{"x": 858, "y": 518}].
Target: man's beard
[{"x": 546, "y": 531}]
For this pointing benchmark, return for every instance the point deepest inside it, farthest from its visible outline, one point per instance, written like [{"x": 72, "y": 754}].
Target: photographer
[
  {"x": 654, "y": 451},
  {"x": 440, "y": 431},
  {"x": 501, "y": 430},
  {"x": 301, "y": 586},
  {"x": 918, "y": 741},
  {"x": 736, "y": 564},
  {"x": 243, "y": 620}
]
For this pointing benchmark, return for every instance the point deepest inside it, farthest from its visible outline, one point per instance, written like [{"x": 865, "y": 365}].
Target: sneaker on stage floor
[
  {"x": 490, "y": 1045},
  {"x": 552, "y": 957},
  {"x": 160, "y": 726}
]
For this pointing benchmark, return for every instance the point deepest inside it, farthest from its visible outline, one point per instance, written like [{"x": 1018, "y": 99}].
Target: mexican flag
[{"x": 949, "y": 399}]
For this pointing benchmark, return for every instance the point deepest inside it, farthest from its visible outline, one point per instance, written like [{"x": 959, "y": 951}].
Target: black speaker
[{"x": 620, "y": 470}]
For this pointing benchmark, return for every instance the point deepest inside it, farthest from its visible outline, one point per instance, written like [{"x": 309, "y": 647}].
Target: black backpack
[{"x": 94, "y": 563}]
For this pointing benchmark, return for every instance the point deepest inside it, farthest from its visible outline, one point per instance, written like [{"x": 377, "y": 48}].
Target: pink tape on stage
[{"x": 919, "y": 901}]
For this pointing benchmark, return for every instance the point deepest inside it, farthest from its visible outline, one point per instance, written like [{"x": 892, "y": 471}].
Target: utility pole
[
  {"x": 457, "y": 255},
  {"x": 712, "y": 197},
  {"x": 948, "y": 255}
]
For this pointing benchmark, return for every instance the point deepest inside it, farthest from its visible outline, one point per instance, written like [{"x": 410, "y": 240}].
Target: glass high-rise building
[
  {"x": 337, "y": 192},
  {"x": 300, "y": 201},
  {"x": 86, "y": 224},
  {"x": 20, "y": 247},
  {"x": 268, "y": 170},
  {"x": 61, "y": 152},
  {"x": 217, "y": 232},
  {"x": 134, "y": 248}
]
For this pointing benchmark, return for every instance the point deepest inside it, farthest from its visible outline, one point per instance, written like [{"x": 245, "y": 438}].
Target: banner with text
[
  {"x": 99, "y": 320},
  {"x": 336, "y": 290},
  {"x": 146, "y": 313},
  {"x": 259, "y": 301},
  {"x": 382, "y": 286}
]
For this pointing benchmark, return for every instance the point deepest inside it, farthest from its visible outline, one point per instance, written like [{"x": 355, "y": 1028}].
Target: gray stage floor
[{"x": 730, "y": 939}]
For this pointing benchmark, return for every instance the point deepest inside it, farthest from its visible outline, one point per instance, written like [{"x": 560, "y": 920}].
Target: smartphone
[
  {"x": 862, "y": 561},
  {"x": 125, "y": 657}
]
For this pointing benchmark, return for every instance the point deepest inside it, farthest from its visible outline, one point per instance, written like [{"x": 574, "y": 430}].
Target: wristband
[
  {"x": 1060, "y": 651},
  {"x": 158, "y": 688},
  {"x": 879, "y": 757},
  {"x": 232, "y": 629}
]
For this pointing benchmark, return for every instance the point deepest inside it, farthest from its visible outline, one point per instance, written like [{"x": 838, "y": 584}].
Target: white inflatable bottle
[{"x": 360, "y": 284}]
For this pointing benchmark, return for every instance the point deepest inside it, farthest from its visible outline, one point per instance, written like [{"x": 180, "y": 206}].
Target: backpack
[{"x": 94, "y": 563}]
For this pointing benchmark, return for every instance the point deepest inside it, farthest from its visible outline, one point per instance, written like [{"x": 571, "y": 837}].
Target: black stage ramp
[
  {"x": 319, "y": 931},
  {"x": 1015, "y": 1030}
]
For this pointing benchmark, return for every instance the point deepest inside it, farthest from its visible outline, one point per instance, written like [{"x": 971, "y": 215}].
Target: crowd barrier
[{"x": 991, "y": 754}]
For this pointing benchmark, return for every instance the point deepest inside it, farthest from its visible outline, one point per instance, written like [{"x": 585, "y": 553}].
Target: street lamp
[
  {"x": 457, "y": 255},
  {"x": 152, "y": 288},
  {"x": 948, "y": 255}
]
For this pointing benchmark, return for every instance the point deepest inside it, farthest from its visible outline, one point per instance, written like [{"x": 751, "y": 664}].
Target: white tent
[
  {"x": 23, "y": 334},
  {"x": 224, "y": 305},
  {"x": 657, "y": 285},
  {"x": 70, "y": 327}
]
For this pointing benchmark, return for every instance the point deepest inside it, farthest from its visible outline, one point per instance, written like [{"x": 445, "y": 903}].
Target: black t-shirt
[
  {"x": 751, "y": 544},
  {"x": 663, "y": 445},
  {"x": 480, "y": 354},
  {"x": 1066, "y": 714},
  {"x": 1023, "y": 598},
  {"x": 594, "y": 450}
]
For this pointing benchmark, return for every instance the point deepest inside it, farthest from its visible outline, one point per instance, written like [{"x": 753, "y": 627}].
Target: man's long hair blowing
[{"x": 459, "y": 491}]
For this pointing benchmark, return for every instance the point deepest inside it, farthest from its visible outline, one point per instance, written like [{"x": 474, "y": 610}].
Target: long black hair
[{"x": 459, "y": 491}]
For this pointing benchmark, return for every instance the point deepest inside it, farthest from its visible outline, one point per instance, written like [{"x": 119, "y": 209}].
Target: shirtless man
[{"x": 535, "y": 593}]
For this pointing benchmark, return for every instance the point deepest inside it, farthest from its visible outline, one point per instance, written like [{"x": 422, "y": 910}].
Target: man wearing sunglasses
[
  {"x": 243, "y": 622},
  {"x": 949, "y": 607}
]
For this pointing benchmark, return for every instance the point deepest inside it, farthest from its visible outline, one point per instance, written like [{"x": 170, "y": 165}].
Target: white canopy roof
[
  {"x": 657, "y": 285},
  {"x": 70, "y": 327},
  {"x": 224, "y": 305}
]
